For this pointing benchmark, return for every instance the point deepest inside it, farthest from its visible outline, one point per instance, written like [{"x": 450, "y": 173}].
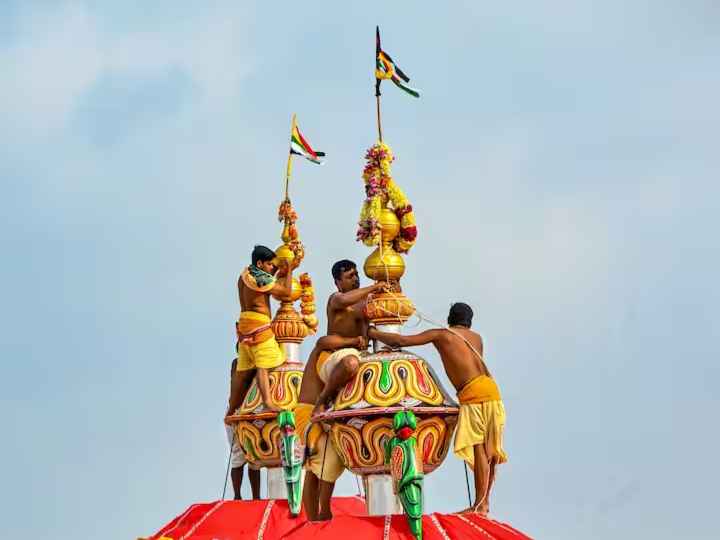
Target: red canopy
[{"x": 270, "y": 520}]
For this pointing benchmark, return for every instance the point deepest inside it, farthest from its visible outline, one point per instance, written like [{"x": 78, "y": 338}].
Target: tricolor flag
[
  {"x": 385, "y": 69},
  {"x": 300, "y": 147}
]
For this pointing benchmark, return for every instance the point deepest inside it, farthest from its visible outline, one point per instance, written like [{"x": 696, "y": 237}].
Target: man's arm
[
  {"x": 342, "y": 300},
  {"x": 283, "y": 288},
  {"x": 263, "y": 382},
  {"x": 397, "y": 340},
  {"x": 333, "y": 342}
]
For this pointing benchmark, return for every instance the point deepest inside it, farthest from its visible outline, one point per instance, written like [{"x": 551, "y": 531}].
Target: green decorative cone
[
  {"x": 292, "y": 460},
  {"x": 406, "y": 469}
]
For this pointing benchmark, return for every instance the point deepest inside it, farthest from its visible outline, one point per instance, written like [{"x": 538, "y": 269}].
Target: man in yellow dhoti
[
  {"x": 481, "y": 421},
  {"x": 257, "y": 350},
  {"x": 323, "y": 465}
]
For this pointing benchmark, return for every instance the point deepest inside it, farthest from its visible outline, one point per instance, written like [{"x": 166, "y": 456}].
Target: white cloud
[{"x": 60, "y": 54}]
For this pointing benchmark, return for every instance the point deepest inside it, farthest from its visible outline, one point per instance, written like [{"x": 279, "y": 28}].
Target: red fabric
[{"x": 242, "y": 520}]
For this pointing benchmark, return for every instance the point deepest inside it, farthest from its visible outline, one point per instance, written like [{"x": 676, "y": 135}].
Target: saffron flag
[
  {"x": 386, "y": 69},
  {"x": 300, "y": 147}
]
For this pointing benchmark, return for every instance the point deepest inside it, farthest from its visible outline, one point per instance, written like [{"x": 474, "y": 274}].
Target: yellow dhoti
[
  {"x": 481, "y": 420},
  {"x": 323, "y": 459},
  {"x": 257, "y": 346}
]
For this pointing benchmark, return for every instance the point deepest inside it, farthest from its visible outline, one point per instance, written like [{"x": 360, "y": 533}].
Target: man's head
[
  {"x": 346, "y": 275},
  {"x": 264, "y": 258},
  {"x": 460, "y": 315}
]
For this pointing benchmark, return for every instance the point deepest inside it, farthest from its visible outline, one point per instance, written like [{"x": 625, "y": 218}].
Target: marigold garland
[
  {"x": 380, "y": 185},
  {"x": 307, "y": 303},
  {"x": 287, "y": 214}
]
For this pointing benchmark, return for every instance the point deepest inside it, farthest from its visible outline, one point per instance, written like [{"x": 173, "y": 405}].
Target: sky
[{"x": 563, "y": 166}]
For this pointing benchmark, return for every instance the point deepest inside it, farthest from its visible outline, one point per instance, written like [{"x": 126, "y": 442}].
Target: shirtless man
[
  {"x": 323, "y": 465},
  {"x": 346, "y": 319},
  {"x": 482, "y": 416},
  {"x": 257, "y": 350}
]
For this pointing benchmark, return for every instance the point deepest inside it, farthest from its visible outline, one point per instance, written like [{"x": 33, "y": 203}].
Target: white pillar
[
  {"x": 389, "y": 328},
  {"x": 379, "y": 497},
  {"x": 276, "y": 488},
  {"x": 276, "y": 483},
  {"x": 292, "y": 352}
]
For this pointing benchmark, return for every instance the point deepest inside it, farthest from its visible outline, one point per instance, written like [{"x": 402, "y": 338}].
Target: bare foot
[
  {"x": 475, "y": 509},
  {"x": 324, "y": 516},
  {"x": 484, "y": 509}
]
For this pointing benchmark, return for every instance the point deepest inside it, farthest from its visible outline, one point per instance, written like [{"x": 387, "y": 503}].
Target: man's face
[
  {"x": 267, "y": 266},
  {"x": 349, "y": 280}
]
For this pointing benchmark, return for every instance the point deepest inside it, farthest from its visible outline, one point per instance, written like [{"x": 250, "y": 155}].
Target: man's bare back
[{"x": 461, "y": 362}]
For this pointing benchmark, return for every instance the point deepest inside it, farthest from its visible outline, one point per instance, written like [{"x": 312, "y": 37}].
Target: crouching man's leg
[{"x": 336, "y": 370}]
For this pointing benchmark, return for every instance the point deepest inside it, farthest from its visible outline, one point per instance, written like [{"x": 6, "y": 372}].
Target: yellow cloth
[
  {"x": 319, "y": 447},
  {"x": 262, "y": 350},
  {"x": 303, "y": 412},
  {"x": 253, "y": 328},
  {"x": 327, "y": 360},
  {"x": 479, "y": 390},
  {"x": 481, "y": 420}
]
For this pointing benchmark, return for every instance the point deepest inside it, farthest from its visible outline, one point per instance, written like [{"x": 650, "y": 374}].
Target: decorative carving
[
  {"x": 406, "y": 469},
  {"x": 361, "y": 415},
  {"x": 291, "y": 457},
  {"x": 257, "y": 429}
]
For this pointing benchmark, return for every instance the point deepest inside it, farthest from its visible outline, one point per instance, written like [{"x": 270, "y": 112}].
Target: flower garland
[
  {"x": 380, "y": 186},
  {"x": 287, "y": 214},
  {"x": 307, "y": 303}
]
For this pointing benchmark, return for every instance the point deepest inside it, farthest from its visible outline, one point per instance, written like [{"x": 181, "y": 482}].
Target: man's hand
[
  {"x": 381, "y": 286},
  {"x": 372, "y": 332},
  {"x": 362, "y": 343},
  {"x": 283, "y": 267}
]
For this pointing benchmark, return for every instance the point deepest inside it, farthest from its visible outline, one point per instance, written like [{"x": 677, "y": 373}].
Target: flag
[
  {"x": 385, "y": 69},
  {"x": 300, "y": 147}
]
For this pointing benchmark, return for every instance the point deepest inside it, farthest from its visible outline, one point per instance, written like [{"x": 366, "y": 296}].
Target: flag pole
[
  {"x": 288, "y": 170},
  {"x": 377, "y": 82}
]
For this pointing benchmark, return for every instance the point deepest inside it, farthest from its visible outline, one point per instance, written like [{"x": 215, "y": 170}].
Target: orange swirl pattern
[
  {"x": 408, "y": 378},
  {"x": 261, "y": 442},
  {"x": 362, "y": 448},
  {"x": 284, "y": 391}
]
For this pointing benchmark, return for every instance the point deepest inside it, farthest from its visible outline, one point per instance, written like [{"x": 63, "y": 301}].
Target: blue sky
[{"x": 564, "y": 169}]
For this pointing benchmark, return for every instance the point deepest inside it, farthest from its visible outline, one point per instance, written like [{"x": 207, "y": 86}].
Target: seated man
[
  {"x": 323, "y": 465},
  {"x": 257, "y": 349},
  {"x": 237, "y": 454},
  {"x": 346, "y": 318},
  {"x": 482, "y": 416}
]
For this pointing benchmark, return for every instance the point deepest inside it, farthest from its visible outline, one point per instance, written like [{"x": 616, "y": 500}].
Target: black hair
[
  {"x": 262, "y": 253},
  {"x": 460, "y": 315},
  {"x": 342, "y": 266}
]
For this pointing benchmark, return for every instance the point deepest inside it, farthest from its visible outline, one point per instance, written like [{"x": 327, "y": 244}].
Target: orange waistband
[{"x": 479, "y": 390}]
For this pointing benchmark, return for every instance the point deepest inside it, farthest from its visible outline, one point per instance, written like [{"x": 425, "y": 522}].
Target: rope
[
  {"x": 467, "y": 483},
  {"x": 227, "y": 471},
  {"x": 322, "y": 468}
]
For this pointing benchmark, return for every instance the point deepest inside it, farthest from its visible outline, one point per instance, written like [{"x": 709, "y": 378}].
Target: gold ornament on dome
[{"x": 288, "y": 325}]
